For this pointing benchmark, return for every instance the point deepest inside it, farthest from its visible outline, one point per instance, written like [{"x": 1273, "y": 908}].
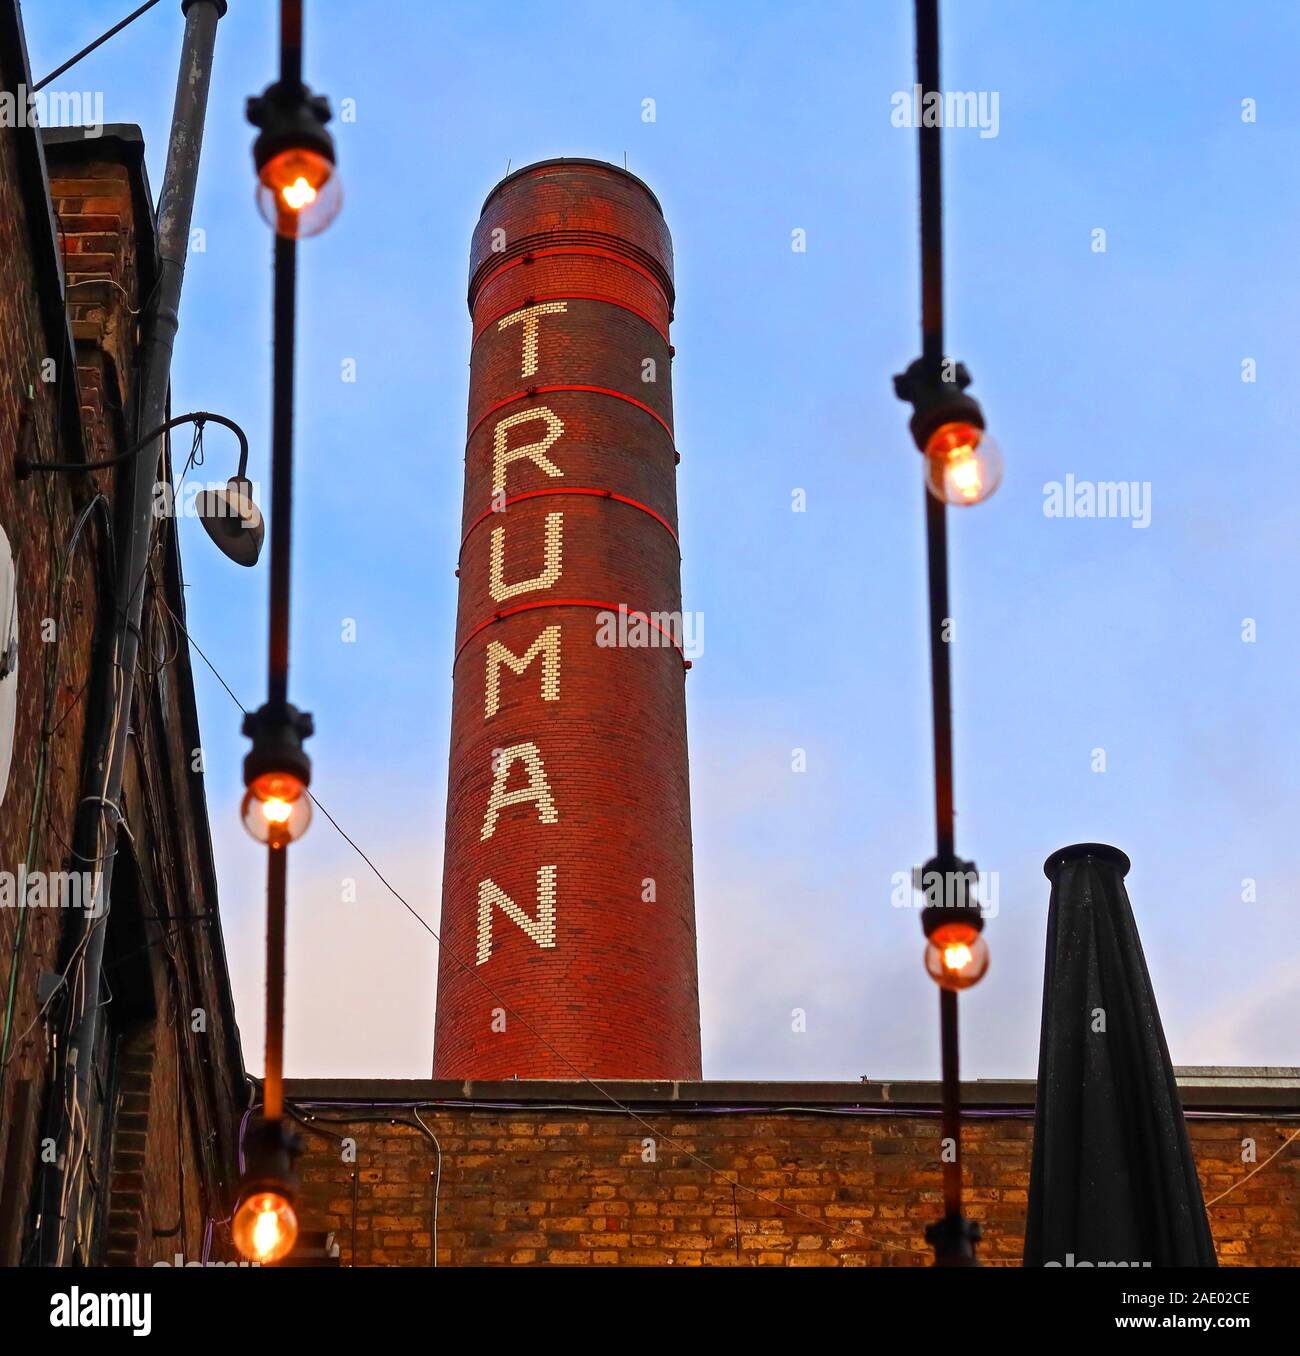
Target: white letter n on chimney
[{"x": 541, "y": 929}]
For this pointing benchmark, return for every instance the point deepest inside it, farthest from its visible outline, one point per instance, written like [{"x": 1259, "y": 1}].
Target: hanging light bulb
[
  {"x": 265, "y": 1225},
  {"x": 299, "y": 193},
  {"x": 956, "y": 956},
  {"x": 963, "y": 465},
  {"x": 277, "y": 771},
  {"x": 298, "y": 190},
  {"x": 276, "y": 808}
]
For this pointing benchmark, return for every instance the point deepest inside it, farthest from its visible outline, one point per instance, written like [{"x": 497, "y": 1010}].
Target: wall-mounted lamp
[{"x": 229, "y": 515}]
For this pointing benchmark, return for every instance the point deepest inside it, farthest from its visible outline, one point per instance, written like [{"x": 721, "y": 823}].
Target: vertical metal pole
[
  {"x": 286, "y": 262},
  {"x": 927, "y": 77},
  {"x": 951, "y": 1121},
  {"x": 936, "y": 540},
  {"x": 953, "y": 1243},
  {"x": 936, "y": 513},
  {"x": 291, "y": 41},
  {"x": 276, "y": 902},
  {"x": 282, "y": 403},
  {"x": 175, "y": 208}
]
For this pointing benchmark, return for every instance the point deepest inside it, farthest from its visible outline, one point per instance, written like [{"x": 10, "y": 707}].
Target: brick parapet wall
[{"x": 849, "y": 1178}]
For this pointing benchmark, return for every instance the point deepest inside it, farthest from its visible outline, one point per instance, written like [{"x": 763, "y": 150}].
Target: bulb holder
[
  {"x": 277, "y": 732},
  {"x": 953, "y": 1239},
  {"x": 289, "y": 118},
  {"x": 269, "y": 1184},
  {"x": 948, "y": 884},
  {"x": 271, "y": 1152},
  {"x": 936, "y": 401}
]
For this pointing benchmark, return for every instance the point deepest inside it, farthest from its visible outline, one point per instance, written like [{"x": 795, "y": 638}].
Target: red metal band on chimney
[
  {"x": 568, "y": 252},
  {"x": 511, "y": 307},
  {"x": 531, "y": 391},
  {"x": 543, "y": 494},
  {"x": 599, "y": 604}
]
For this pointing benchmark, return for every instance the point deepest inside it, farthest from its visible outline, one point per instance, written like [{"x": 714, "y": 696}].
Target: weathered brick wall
[
  {"x": 836, "y": 1186},
  {"x": 571, "y": 294},
  {"x": 171, "y": 1165},
  {"x": 56, "y": 626},
  {"x": 174, "y": 1156},
  {"x": 196, "y": 1088}
]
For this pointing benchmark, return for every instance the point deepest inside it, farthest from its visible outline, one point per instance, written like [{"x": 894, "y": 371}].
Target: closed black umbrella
[{"x": 1113, "y": 1180}]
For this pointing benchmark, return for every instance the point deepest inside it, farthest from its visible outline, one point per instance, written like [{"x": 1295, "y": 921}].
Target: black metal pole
[
  {"x": 277, "y": 869},
  {"x": 286, "y": 270},
  {"x": 927, "y": 76},
  {"x": 936, "y": 513},
  {"x": 291, "y": 41},
  {"x": 936, "y": 543},
  {"x": 952, "y": 1237},
  {"x": 282, "y": 400},
  {"x": 951, "y": 1101}
]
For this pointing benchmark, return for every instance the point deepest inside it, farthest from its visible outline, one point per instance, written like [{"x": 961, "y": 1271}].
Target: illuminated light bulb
[
  {"x": 956, "y": 956},
  {"x": 299, "y": 193},
  {"x": 266, "y": 1233},
  {"x": 963, "y": 465},
  {"x": 265, "y": 1226},
  {"x": 276, "y": 809}
]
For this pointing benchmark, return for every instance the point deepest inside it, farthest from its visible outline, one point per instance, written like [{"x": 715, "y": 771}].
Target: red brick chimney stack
[{"x": 567, "y": 885}]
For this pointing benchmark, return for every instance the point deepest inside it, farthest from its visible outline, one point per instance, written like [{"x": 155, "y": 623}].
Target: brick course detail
[
  {"x": 837, "y": 1182},
  {"x": 568, "y": 896}
]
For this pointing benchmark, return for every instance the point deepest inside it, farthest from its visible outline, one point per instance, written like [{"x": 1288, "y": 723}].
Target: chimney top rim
[{"x": 571, "y": 161}]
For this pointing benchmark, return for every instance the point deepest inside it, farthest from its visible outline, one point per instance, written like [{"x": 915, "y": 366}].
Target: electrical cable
[
  {"x": 1253, "y": 1171},
  {"x": 437, "y": 1186},
  {"x": 99, "y": 42},
  {"x": 57, "y": 585},
  {"x": 532, "y": 1030},
  {"x": 112, "y": 282},
  {"x": 80, "y": 997},
  {"x": 53, "y": 1046}
]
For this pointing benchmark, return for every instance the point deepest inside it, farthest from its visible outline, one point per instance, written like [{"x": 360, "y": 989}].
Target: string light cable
[
  {"x": 731, "y": 1180},
  {"x": 1258, "y": 1168}
]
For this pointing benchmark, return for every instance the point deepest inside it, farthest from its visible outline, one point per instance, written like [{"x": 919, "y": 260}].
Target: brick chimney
[{"x": 568, "y": 898}]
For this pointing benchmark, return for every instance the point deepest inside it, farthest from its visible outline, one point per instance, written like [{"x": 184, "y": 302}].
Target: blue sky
[{"x": 1072, "y": 635}]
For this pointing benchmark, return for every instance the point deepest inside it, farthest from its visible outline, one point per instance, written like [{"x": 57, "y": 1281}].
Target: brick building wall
[
  {"x": 827, "y": 1174},
  {"x": 40, "y": 417},
  {"x": 568, "y": 897},
  {"x": 76, "y": 267}
]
